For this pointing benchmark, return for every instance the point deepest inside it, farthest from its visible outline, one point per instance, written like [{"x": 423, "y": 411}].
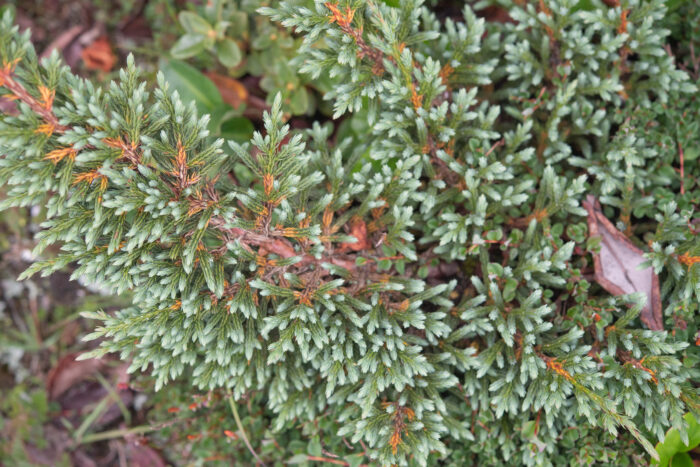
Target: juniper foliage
[{"x": 424, "y": 285}]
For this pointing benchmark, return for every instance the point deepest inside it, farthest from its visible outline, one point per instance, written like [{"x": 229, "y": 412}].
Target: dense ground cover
[{"x": 461, "y": 235}]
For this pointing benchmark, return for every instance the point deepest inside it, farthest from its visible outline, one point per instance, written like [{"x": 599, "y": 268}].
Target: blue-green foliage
[{"x": 426, "y": 285}]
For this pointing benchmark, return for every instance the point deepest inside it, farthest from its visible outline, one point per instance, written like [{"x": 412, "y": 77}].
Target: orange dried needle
[
  {"x": 343, "y": 20},
  {"x": 416, "y": 98},
  {"x": 268, "y": 183},
  {"x": 57, "y": 155},
  {"x": 47, "y": 96},
  {"x": 688, "y": 260},
  {"x": 46, "y": 129}
]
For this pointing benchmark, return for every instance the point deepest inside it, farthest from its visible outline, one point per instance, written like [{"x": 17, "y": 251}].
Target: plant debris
[
  {"x": 99, "y": 56},
  {"x": 617, "y": 265}
]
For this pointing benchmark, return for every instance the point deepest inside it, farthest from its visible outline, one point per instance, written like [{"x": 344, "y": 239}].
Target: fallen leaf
[
  {"x": 74, "y": 386},
  {"x": 616, "y": 265},
  {"x": 79, "y": 398},
  {"x": 232, "y": 91},
  {"x": 63, "y": 40},
  {"x": 140, "y": 455},
  {"x": 98, "y": 55},
  {"x": 72, "y": 53},
  {"x": 69, "y": 371},
  {"x": 358, "y": 229}
]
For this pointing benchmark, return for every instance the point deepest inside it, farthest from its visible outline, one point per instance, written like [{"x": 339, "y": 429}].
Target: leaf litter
[{"x": 617, "y": 265}]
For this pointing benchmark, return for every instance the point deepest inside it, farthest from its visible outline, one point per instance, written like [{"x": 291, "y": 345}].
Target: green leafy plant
[
  {"x": 193, "y": 86},
  {"x": 425, "y": 288},
  {"x": 247, "y": 43},
  {"x": 674, "y": 450},
  {"x": 209, "y": 32}
]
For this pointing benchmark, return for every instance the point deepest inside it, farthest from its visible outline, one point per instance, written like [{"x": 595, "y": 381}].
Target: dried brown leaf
[
  {"x": 358, "y": 229},
  {"x": 140, "y": 455},
  {"x": 68, "y": 372},
  {"x": 616, "y": 265},
  {"x": 232, "y": 91},
  {"x": 63, "y": 40},
  {"x": 98, "y": 55}
]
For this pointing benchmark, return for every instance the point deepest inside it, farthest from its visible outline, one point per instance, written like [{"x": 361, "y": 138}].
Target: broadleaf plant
[
  {"x": 421, "y": 290},
  {"x": 231, "y": 33}
]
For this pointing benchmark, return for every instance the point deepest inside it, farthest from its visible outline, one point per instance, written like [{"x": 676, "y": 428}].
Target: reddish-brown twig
[{"x": 41, "y": 108}]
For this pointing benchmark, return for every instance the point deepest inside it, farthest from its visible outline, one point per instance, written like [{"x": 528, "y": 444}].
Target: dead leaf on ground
[
  {"x": 98, "y": 55},
  {"x": 76, "y": 387},
  {"x": 616, "y": 265},
  {"x": 72, "y": 53},
  {"x": 63, "y": 40},
  {"x": 232, "y": 91},
  {"x": 140, "y": 455},
  {"x": 358, "y": 229},
  {"x": 69, "y": 371}
]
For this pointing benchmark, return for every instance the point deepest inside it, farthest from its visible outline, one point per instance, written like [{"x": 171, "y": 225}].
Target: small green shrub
[{"x": 417, "y": 288}]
